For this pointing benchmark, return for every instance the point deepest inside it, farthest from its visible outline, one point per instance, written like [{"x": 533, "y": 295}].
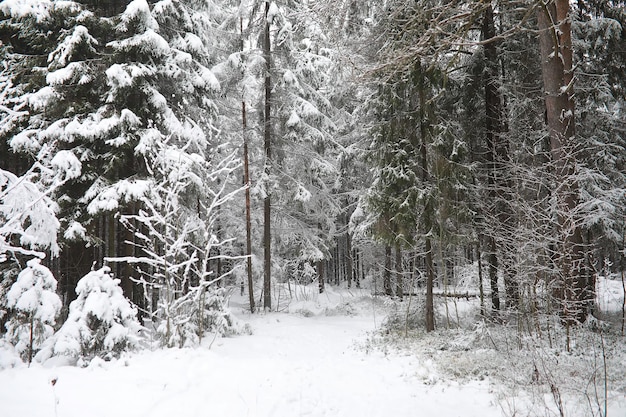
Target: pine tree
[
  {"x": 101, "y": 322},
  {"x": 34, "y": 307}
]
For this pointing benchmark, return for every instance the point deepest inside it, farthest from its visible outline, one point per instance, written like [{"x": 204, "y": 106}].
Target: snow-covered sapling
[
  {"x": 101, "y": 322},
  {"x": 35, "y": 305}
]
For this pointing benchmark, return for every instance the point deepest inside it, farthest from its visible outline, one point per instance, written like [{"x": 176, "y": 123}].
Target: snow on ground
[{"x": 299, "y": 363}]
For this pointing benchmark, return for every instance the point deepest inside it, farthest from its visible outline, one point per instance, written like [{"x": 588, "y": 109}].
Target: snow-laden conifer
[
  {"x": 101, "y": 322},
  {"x": 35, "y": 306}
]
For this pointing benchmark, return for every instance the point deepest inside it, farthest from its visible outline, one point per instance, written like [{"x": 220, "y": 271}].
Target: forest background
[{"x": 186, "y": 147}]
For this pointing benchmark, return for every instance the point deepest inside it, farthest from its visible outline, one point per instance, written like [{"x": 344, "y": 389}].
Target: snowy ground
[
  {"x": 295, "y": 364},
  {"x": 318, "y": 357}
]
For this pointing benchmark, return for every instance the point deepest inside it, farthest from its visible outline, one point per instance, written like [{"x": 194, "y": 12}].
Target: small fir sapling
[
  {"x": 185, "y": 321},
  {"x": 101, "y": 322},
  {"x": 35, "y": 306}
]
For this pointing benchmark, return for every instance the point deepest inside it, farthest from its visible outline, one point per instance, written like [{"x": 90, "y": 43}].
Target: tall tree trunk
[
  {"x": 246, "y": 180},
  {"x": 246, "y": 173},
  {"x": 555, "y": 42},
  {"x": 427, "y": 220},
  {"x": 267, "y": 238},
  {"x": 497, "y": 156}
]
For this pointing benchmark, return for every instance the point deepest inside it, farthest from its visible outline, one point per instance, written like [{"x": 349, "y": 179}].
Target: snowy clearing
[
  {"x": 291, "y": 366},
  {"x": 324, "y": 355}
]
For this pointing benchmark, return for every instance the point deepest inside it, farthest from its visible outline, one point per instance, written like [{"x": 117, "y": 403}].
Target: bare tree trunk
[
  {"x": 497, "y": 156},
  {"x": 430, "y": 270},
  {"x": 267, "y": 238},
  {"x": 129, "y": 252},
  {"x": 387, "y": 271},
  {"x": 430, "y": 278},
  {"x": 360, "y": 269},
  {"x": 246, "y": 179},
  {"x": 555, "y": 42},
  {"x": 399, "y": 272},
  {"x": 349, "y": 266},
  {"x": 320, "y": 276},
  {"x": 492, "y": 260},
  {"x": 481, "y": 291}
]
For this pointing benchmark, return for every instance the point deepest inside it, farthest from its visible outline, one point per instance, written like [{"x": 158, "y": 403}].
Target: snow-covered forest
[{"x": 173, "y": 172}]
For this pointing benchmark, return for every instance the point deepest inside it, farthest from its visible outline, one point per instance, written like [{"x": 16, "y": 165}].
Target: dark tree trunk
[
  {"x": 492, "y": 260},
  {"x": 320, "y": 276},
  {"x": 349, "y": 266},
  {"x": 129, "y": 252},
  {"x": 267, "y": 238},
  {"x": 430, "y": 278},
  {"x": 427, "y": 220},
  {"x": 246, "y": 180},
  {"x": 497, "y": 157},
  {"x": 387, "y": 272},
  {"x": 246, "y": 168},
  {"x": 556, "y": 66},
  {"x": 399, "y": 272}
]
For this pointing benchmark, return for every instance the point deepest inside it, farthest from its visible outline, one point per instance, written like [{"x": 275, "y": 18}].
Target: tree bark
[
  {"x": 399, "y": 272},
  {"x": 430, "y": 278},
  {"x": 267, "y": 238},
  {"x": 430, "y": 270},
  {"x": 320, "y": 276},
  {"x": 246, "y": 180},
  {"x": 349, "y": 266},
  {"x": 555, "y": 41},
  {"x": 387, "y": 272},
  {"x": 497, "y": 156}
]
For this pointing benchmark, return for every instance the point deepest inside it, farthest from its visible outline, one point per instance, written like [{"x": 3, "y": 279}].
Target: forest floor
[{"x": 323, "y": 355}]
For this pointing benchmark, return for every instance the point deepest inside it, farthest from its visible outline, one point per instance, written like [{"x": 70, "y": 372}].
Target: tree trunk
[
  {"x": 246, "y": 174},
  {"x": 128, "y": 237},
  {"x": 430, "y": 278},
  {"x": 349, "y": 266},
  {"x": 497, "y": 157},
  {"x": 492, "y": 260},
  {"x": 555, "y": 42},
  {"x": 320, "y": 276},
  {"x": 246, "y": 180},
  {"x": 267, "y": 238},
  {"x": 360, "y": 270},
  {"x": 399, "y": 272},
  {"x": 430, "y": 270},
  {"x": 481, "y": 291},
  {"x": 387, "y": 272}
]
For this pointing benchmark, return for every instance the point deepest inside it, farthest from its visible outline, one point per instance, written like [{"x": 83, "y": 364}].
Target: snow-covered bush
[
  {"x": 34, "y": 306},
  {"x": 9, "y": 358},
  {"x": 101, "y": 322},
  {"x": 185, "y": 321}
]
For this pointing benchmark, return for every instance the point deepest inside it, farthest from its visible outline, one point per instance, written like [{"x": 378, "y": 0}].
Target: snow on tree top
[
  {"x": 109, "y": 198},
  {"x": 138, "y": 11},
  {"x": 34, "y": 292},
  {"x": 148, "y": 42},
  {"x": 66, "y": 164},
  {"x": 64, "y": 52},
  {"x": 40, "y": 9}
]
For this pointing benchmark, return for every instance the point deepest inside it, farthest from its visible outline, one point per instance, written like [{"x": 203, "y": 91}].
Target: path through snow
[{"x": 292, "y": 366}]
